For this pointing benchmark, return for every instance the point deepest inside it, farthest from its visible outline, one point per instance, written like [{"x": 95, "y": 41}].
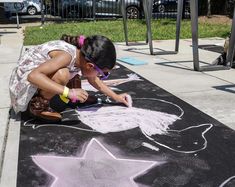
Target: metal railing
[{"x": 107, "y": 9}]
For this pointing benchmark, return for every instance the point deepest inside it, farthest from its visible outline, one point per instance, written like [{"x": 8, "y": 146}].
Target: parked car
[
  {"x": 84, "y": 8},
  {"x": 30, "y": 7},
  {"x": 161, "y": 6}
]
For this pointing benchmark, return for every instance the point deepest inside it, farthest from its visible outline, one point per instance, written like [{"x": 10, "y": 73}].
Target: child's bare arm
[
  {"x": 40, "y": 76},
  {"x": 99, "y": 85}
]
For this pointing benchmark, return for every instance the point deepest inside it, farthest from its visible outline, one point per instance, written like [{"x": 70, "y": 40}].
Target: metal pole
[
  {"x": 17, "y": 15},
  {"x": 231, "y": 43},
  {"x": 148, "y": 15},
  {"x": 42, "y": 13},
  {"x": 150, "y": 7},
  {"x": 93, "y": 8},
  {"x": 178, "y": 23},
  {"x": 123, "y": 10},
  {"x": 17, "y": 19},
  {"x": 194, "y": 27}
]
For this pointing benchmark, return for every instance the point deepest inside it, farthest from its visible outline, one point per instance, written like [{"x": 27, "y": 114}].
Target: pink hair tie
[
  {"x": 74, "y": 98},
  {"x": 81, "y": 40}
]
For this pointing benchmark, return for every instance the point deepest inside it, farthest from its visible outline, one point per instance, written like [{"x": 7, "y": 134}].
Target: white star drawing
[{"x": 97, "y": 167}]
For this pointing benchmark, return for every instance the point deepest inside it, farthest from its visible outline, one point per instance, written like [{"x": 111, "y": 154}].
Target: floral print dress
[{"x": 21, "y": 90}]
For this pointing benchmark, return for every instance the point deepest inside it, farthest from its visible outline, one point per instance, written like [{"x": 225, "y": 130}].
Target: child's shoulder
[{"x": 59, "y": 43}]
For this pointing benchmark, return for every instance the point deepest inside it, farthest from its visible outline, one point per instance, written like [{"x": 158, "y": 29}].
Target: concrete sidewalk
[
  {"x": 211, "y": 92},
  {"x": 11, "y": 42}
]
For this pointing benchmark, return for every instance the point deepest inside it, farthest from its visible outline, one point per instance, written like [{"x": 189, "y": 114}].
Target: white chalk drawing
[
  {"x": 116, "y": 118},
  {"x": 204, "y": 145},
  {"x": 30, "y": 123},
  {"x": 111, "y": 83},
  {"x": 96, "y": 167},
  {"x": 116, "y": 67},
  {"x": 227, "y": 181},
  {"x": 149, "y": 146}
]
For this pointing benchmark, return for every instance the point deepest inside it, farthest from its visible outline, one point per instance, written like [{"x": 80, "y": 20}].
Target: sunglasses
[{"x": 102, "y": 75}]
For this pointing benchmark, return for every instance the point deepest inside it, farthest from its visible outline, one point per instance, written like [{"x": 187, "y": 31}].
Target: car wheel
[
  {"x": 161, "y": 8},
  {"x": 73, "y": 14},
  {"x": 70, "y": 13},
  {"x": 32, "y": 10},
  {"x": 132, "y": 12},
  {"x": 187, "y": 10},
  {"x": 19, "y": 6}
]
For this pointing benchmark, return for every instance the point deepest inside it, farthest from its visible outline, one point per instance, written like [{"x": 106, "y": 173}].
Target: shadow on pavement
[{"x": 227, "y": 88}]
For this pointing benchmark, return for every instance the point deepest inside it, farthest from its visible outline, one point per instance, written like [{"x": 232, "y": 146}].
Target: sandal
[
  {"x": 39, "y": 108},
  {"x": 75, "y": 82}
]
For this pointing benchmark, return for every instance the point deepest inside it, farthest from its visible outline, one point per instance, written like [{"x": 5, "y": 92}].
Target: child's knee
[{"x": 62, "y": 76}]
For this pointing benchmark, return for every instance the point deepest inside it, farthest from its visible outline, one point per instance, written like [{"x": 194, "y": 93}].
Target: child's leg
[
  {"x": 221, "y": 60},
  {"x": 226, "y": 44},
  {"x": 61, "y": 77},
  {"x": 39, "y": 105}
]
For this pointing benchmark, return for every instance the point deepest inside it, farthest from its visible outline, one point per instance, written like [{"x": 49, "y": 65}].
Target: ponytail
[
  {"x": 77, "y": 41},
  {"x": 99, "y": 49}
]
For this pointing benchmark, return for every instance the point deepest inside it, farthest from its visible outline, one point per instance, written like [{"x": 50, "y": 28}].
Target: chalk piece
[
  {"x": 132, "y": 61},
  {"x": 129, "y": 100}
]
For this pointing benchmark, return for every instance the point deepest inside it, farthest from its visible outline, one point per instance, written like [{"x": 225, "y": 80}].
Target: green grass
[{"x": 162, "y": 30}]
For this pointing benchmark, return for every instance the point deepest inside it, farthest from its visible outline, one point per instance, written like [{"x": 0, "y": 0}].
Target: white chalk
[{"x": 129, "y": 100}]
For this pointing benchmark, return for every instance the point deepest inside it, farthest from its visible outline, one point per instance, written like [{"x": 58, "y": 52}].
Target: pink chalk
[
  {"x": 129, "y": 100},
  {"x": 74, "y": 98}
]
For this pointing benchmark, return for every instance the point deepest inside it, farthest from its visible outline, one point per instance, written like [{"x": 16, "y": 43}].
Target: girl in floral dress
[{"x": 44, "y": 71}]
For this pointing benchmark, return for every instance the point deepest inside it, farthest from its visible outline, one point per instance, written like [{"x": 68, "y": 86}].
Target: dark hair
[
  {"x": 98, "y": 49},
  {"x": 71, "y": 39}
]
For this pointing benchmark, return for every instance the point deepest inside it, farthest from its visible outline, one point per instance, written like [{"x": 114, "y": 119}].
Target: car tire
[
  {"x": 32, "y": 10},
  {"x": 73, "y": 14},
  {"x": 132, "y": 12},
  {"x": 69, "y": 13},
  {"x": 19, "y": 6},
  {"x": 187, "y": 10},
  {"x": 161, "y": 8}
]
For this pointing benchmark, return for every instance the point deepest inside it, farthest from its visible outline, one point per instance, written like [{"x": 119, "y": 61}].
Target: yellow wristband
[
  {"x": 66, "y": 92},
  {"x": 64, "y": 99}
]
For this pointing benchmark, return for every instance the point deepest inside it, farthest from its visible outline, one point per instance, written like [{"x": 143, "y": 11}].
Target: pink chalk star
[{"x": 97, "y": 167}]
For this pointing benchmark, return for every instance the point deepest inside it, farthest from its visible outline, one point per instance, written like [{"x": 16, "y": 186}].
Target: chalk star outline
[{"x": 150, "y": 164}]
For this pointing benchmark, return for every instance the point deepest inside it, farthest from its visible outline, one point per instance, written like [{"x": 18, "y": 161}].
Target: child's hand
[
  {"x": 78, "y": 94},
  {"x": 125, "y": 99}
]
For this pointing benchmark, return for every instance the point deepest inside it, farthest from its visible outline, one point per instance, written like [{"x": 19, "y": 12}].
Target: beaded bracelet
[{"x": 74, "y": 97}]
